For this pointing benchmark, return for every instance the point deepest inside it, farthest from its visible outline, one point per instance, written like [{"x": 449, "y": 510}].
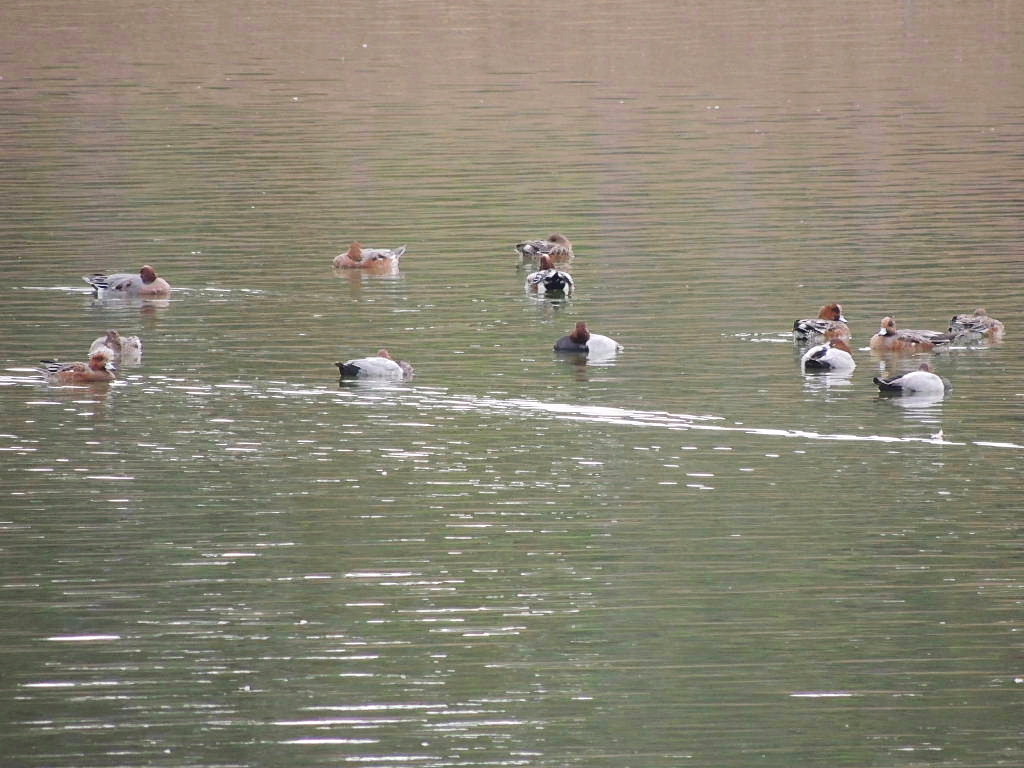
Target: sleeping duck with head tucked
[
  {"x": 377, "y": 260},
  {"x": 557, "y": 247}
]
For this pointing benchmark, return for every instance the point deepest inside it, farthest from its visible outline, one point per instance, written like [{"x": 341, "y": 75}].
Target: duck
[
  {"x": 833, "y": 355},
  {"x": 146, "y": 284},
  {"x": 923, "y": 381},
  {"x": 976, "y": 325},
  {"x": 99, "y": 369},
  {"x": 122, "y": 349},
  {"x": 557, "y": 247},
  {"x": 382, "y": 367},
  {"x": 375, "y": 259},
  {"x": 891, "y": 339},
  {"x": 829, "y": 324},
  {"x": 582, "y": 341},
  {"x": 548, "y": 279}
]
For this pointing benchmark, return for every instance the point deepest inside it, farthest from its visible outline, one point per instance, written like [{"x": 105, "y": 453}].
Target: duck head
[
  {"x": 888, "y": 327},
  {"x": 832, "y": 312},
  {"x": 580, "y": 334}
]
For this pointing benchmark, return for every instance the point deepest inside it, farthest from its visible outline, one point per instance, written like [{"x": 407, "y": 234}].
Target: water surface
[{"x": 691, "y": 555}]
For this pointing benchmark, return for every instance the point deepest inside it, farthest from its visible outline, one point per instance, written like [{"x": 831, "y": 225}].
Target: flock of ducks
[
  {"x": 828, "y": 333},
  {"x": 546, "y": 280},
  {"x": 112, "y": 349},
  {"x": 831, "y": 351}
]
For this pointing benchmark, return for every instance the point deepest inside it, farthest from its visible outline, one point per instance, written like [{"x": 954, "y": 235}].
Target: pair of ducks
[
  {"x": 147, "y": 284},
  {"x": 383, "y": 367},
  {"x": 547, "y": 279},
  {"x": 104, "y": 353},
  {"x": 556, "y": 247},
  {"x": 835, "y": 354},
  {"x": 545, "y": 254}
]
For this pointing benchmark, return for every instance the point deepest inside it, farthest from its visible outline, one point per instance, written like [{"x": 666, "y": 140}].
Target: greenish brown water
[{"x": 693, "y": 555}]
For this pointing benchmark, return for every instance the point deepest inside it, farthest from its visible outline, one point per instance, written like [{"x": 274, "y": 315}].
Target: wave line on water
[
  {"x": 433, "y": 399},
  {"x": 683, "y": 421}
]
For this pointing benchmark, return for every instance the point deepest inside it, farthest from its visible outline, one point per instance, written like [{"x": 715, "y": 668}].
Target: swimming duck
[
  {"x": 124, "y": 349},
  {"x": 557, "y": 247},
  {"x": 582, "y": 341},
  {"x": 891, "y": 339},
  {"x": 831, "y": 356},
  {"x": 547, "y": 279},
  {"x": 829, "y": 324},
  {"x": 923, "y": 381},
  {"x": 976, "y": 325},
  {"x": 145, "y": 284},
  {"x": 98, "y": 369},
  {"x": 375, "y": 259},
  {"x": 383, "y": 367}
]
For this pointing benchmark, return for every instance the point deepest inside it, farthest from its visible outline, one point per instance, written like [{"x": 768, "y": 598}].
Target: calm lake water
[{"x": 691, "y": 555}]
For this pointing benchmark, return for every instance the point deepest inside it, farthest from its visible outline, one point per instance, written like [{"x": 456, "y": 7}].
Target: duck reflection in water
[{"x": 149, "y": 309}]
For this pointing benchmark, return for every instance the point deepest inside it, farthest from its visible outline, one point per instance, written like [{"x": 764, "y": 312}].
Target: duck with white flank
[
  {"x": 582, "y": 341},
  {"x": 923, "y": 381},
  {"x": 831, "y": 356},
  {"x": 549, "y": 281},
  {"x": 382, "y": 367}
]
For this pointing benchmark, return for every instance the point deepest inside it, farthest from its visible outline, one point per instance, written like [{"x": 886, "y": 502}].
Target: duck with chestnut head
[
  {"x": 892, "y": 339},
  {"x": 582, "y": 342},
  {"x": 829, "y": 324},
  {"x": 99, "y": 369},
  {"x": 146, "y": 284}
]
